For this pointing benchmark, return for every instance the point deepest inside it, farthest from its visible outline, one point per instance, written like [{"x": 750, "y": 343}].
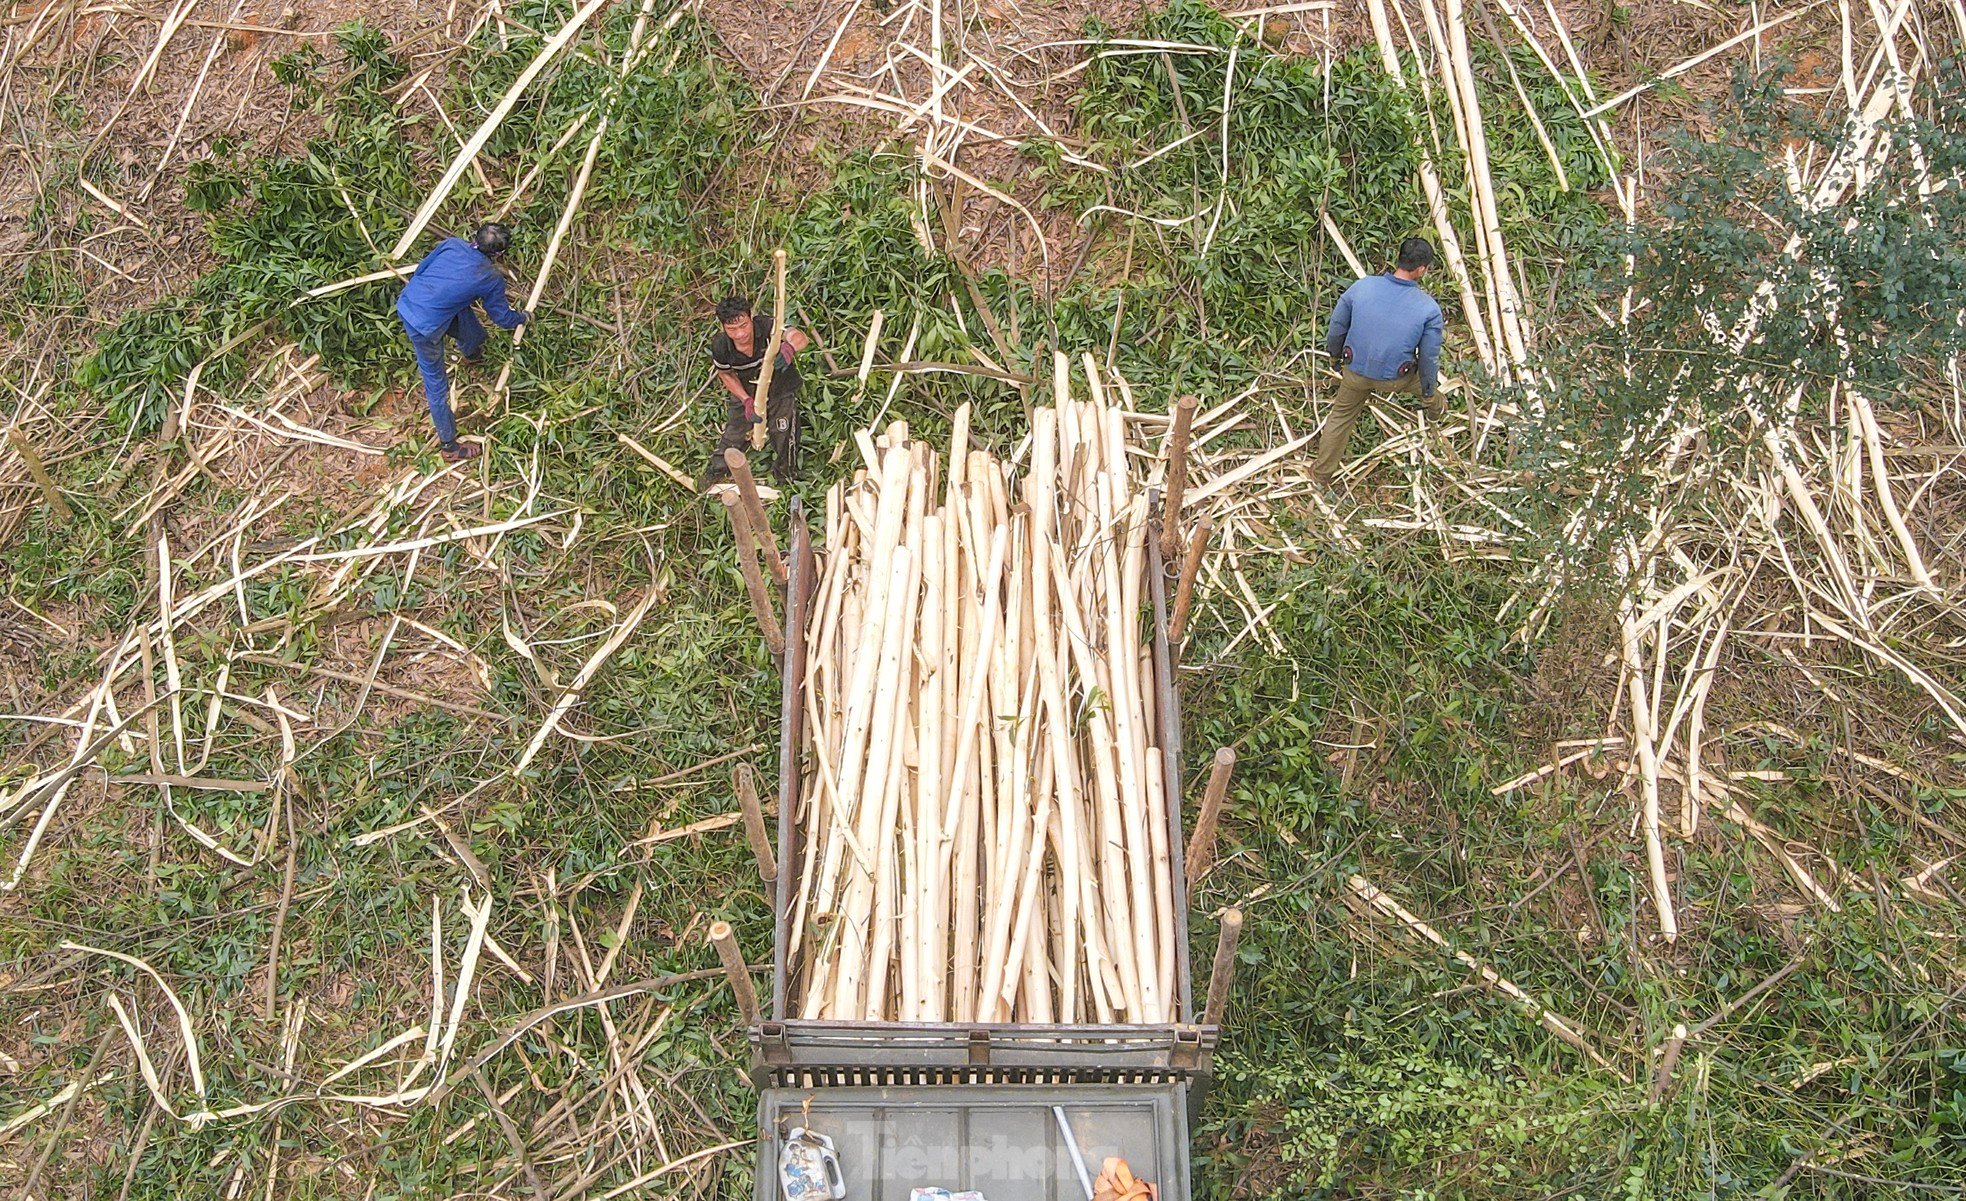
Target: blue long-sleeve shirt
[
  {"x": 453, "y": 276},
  {"x": 1387, "y": 323}
]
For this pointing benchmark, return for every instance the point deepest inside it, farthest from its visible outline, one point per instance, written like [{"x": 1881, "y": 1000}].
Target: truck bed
[
  {"x": 969, "y": 1106},
  {"x": 1003, "y": 1141}
]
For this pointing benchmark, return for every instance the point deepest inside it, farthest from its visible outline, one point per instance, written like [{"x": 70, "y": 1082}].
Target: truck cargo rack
[
  {"x": 975, "y": 1102},
  {"x": 825, "y": 1054}
]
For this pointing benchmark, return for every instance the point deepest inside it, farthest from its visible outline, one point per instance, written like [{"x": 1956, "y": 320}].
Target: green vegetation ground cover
[
  {"x": 1355, "y": 1065},
  {"x": 1247, "y": 282}
]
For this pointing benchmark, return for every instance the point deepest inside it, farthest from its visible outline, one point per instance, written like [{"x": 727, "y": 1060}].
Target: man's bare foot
[{"x": 461, "y": 452}]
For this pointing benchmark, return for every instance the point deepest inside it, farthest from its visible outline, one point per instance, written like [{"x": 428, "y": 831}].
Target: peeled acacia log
[{"x": 985, "y": 835}]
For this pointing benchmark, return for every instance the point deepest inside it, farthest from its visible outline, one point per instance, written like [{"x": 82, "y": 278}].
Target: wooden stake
[
  {"x": 867, "y": 352},
  {"x": 754, "y": 509},
  {"x": 1201, "y": 844},
  {"x": 864, "y": 632},
  {"x": 1184, "y": 592},
  {"x": 1132, "y": 760},
  {"x": 39, "y": 471},
  {"x": 1644, "y": 731},
  {"x": 744, "y": 779},
  {"x": 286, "y": 802},
  {"x": 1177, "y": 477},
  {"x": 735, "y": 970},
  {"x": 1223, "y": 973},
  {"x": 1550, "y": 1020},
  {"x": 930, "y": 711},
  {"x": 754, "y": 580},
  {"x": 878, "y": 783},
  {"x": 770, "y": 351},
  {"x": 1450, "y": 242},
  {"x": 1488, "y": 226},
  {"x": 658, "y": 462},
  {"x": 1668, "y": 1060},
  {"x": 890, "y": 748}
]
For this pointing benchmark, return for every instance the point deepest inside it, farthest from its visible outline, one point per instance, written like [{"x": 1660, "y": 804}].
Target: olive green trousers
[{"x": 1353, "y": 392}]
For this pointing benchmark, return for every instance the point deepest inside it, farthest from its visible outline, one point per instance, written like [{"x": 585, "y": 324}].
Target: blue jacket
[
  {"x": 452, "y": 276},
  {"x": 1383, "y": 326}
]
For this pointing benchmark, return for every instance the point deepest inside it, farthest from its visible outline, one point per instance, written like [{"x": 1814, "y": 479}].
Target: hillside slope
[{"x": 363, "y": 815}]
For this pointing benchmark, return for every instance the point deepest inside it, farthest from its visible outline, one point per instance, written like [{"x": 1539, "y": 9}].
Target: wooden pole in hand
[
  {"x": 725, "y": 941},
  {"x": 754, "y": 509},
  {"x": 1184, "y": 592},
  {"x": 1177, "y": 478},
  {"x": 1201, "y": 844},
  {"x": 770, "y": 351},
  {"x": 754, "y": 580},
  {"x": 745, "y": 780},
  {"x": 1223, "y": 973}
]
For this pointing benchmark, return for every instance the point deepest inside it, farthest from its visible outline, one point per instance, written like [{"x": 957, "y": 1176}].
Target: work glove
[{"x": 1116, "y": 1182}]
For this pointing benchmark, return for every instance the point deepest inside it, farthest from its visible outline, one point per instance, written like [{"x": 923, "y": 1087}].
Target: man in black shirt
[{"x": 737, "y": 354}]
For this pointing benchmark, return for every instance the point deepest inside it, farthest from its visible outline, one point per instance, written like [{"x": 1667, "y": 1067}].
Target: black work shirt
[{"x": 724, "y": 356}]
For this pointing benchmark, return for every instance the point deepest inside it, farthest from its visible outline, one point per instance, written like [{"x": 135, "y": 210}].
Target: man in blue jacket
[
  {"x": 1385, "y": 335},
  {"x": 436, "y": 304}
]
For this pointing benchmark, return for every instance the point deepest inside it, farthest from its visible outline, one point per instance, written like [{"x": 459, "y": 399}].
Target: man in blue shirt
[
  {"x": 1385, "y": 334},
  {"x": 436, "y": 304}
]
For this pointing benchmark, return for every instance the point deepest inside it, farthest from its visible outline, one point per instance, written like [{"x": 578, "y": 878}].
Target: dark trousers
[
  {"x": 1353, "y": 391},
  {"x": 781, "y": 433},
  {"x": 470, "y": 335}
]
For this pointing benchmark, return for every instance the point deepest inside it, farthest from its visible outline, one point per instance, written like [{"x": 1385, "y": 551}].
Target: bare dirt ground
[
  {"x": 105, "y": 112},
  {"x": 137, "y": 108},
  {"x": 855, "y": 73}
]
